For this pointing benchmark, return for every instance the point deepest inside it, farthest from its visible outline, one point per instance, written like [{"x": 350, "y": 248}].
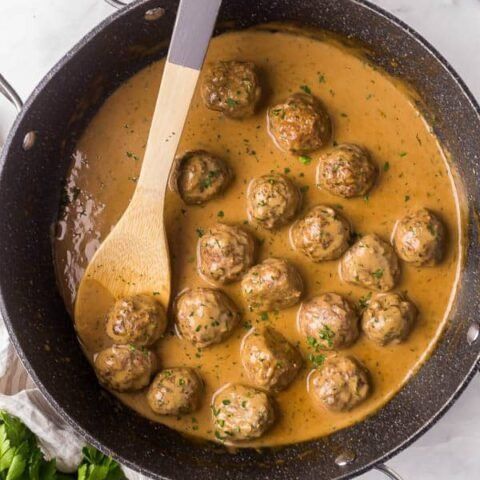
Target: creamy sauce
[{"x": 367, "y": 108}]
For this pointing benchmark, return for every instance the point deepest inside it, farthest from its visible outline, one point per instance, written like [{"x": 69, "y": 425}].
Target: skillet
[{"x": 35, "y": 159}]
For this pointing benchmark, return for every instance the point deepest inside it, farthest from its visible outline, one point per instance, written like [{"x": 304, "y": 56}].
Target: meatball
[
  {"x": 323, "y": 234},
  {"x": 419, "y": 238},
  {"x": 388, "y": 318},
  {"x": 271, "y": 362},
  {"x": 139, "y": 320},
  {"x": 225, "y": 253},
  {"x": 346, "y": 171},
  {"x": 232, "y": 88},
  {"x": 300, "y": 124},
  {"x": 272, "y": 200},
  {"x": 200, "y": 176},
  {"x": 125, "y": 368},
  {"x": 241, "y": 412},
  {"x": 205, "y": 316},
  {"x": 175, "y": 391},
  {"x": 273, "y": 284},
  {"x": 340, "y": 384},
  {"x": 328, "y": 321},
  {"x": 371, "y": 263}
]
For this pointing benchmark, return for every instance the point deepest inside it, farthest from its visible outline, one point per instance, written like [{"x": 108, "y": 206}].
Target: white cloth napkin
[{"x": 20, "y": 397}]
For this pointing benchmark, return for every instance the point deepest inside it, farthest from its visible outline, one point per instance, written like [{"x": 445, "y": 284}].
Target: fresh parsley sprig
[{"x": 22, "y": 459}]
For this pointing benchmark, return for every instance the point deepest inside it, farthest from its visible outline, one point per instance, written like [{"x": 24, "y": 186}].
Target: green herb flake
[
  {"x": 264, "y": 316},
  {"x": 200, "y": 232},
  {"x": 226, "y": 402},
  {"x": 321, "y": 78},
  {"x": 306, "y": 89},
  {"x": 305, "y": 159},
  {"x": 364, "y": 300},
  {"x": 231, "y": 102},
  {"x": 286, "y": 170},
  {"x": 403, "y": 154},
  {"x": 220, "y": 214},
  {"x": 132, "y": 155},
  {"x": 407, "y": 198},
  {"x": 378, "y": 274},
  {"x": 317, "y": 360},
  {"x": 386, "y": 166}
]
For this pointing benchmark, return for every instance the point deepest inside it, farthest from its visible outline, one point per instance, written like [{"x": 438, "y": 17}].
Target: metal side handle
[
  {"x": 388, "y": 472},
  {"x": 117, "y": 3},
  {"x": 10, "y": 94}
]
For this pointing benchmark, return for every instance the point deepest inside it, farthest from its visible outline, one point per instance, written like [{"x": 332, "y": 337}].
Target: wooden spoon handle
[{"x": 191, "y": 35}]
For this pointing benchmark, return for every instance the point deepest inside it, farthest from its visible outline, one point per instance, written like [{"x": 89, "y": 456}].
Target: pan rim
[{"x": 406, "y": 29}]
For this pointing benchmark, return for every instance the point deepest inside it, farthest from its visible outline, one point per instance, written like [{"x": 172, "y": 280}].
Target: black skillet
[{"x": 36, "y": 156}]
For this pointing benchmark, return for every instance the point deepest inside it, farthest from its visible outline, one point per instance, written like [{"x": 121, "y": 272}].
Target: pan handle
[
  {"x": 388, "y": 472},
  {"x": 10, "y": 94},
  {"x": 117, "y": 3}
]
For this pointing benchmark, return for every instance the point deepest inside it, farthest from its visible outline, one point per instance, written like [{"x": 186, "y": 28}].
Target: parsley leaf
[{"x": 22, "y": 459}]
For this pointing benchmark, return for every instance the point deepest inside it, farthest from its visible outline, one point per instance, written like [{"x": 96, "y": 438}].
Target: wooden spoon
[{"x": 134, "y": 258}]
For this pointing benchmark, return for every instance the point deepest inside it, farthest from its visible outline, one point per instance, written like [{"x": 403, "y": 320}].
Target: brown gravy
[{"x": 367, "y": 108}]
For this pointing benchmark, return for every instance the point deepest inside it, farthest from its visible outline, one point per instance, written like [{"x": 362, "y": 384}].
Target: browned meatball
[
  {"x": 346, "y": 171},
  {"x": 371, "y": 263},
  {"x": 205, "y": 316},
  {"x": 419, "y": 238},
  {"x": 200, "y": 176},
  {"x": 125, "y": 368},
  {"x": 388, "y": 318},
  {"x": 272, "y": 200},
  {"x": 328, "y": 321},
  {"x": 232, "y": 88},
  {"x": 273, "y": 284},
  {"x": 225, "y": 253},
  {"x": 323, "y": 234},
  {"x": 175, "y": 391},
  {"x": 300, "y": 124},
  {"x": 340, "y": 384},
  {"x": 271, "y": 362},
  {"x": 241, "y": 413},
  {"x": 139, "y": 320}
]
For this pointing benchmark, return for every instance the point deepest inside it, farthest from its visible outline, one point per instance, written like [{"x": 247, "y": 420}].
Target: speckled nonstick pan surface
[{"x": 30, "y": 187}]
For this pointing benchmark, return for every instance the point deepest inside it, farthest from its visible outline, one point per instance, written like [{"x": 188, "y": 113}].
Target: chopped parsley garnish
[
  {"x": 207, "y": 182},
  {"x": 317, "y": 360},
  {"x": 226, "y": 402},
  {"x": 305, "y": 159},
  {"x": 403, "y": 154},
  {"x": 221, "y": 214},
  {"x": 306, "y": 89},
  {"x": 200, "y": 232},
  {"x": 386, "y": 166},
  {"x": 132, "y": 155},
  {"x": 321, "y": 78},
  {"x": 286, "y": 170},
  {"x": 231, "y": 102},
  {"x": 327, "y": 334},
  {"x": 264, "y": 316},
  {"x": 364, "y": 300},
  {"x": 378, "y": 273}
]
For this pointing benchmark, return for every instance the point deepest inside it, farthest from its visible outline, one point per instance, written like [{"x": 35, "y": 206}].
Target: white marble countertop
[{"x": 35, "y": 34}]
